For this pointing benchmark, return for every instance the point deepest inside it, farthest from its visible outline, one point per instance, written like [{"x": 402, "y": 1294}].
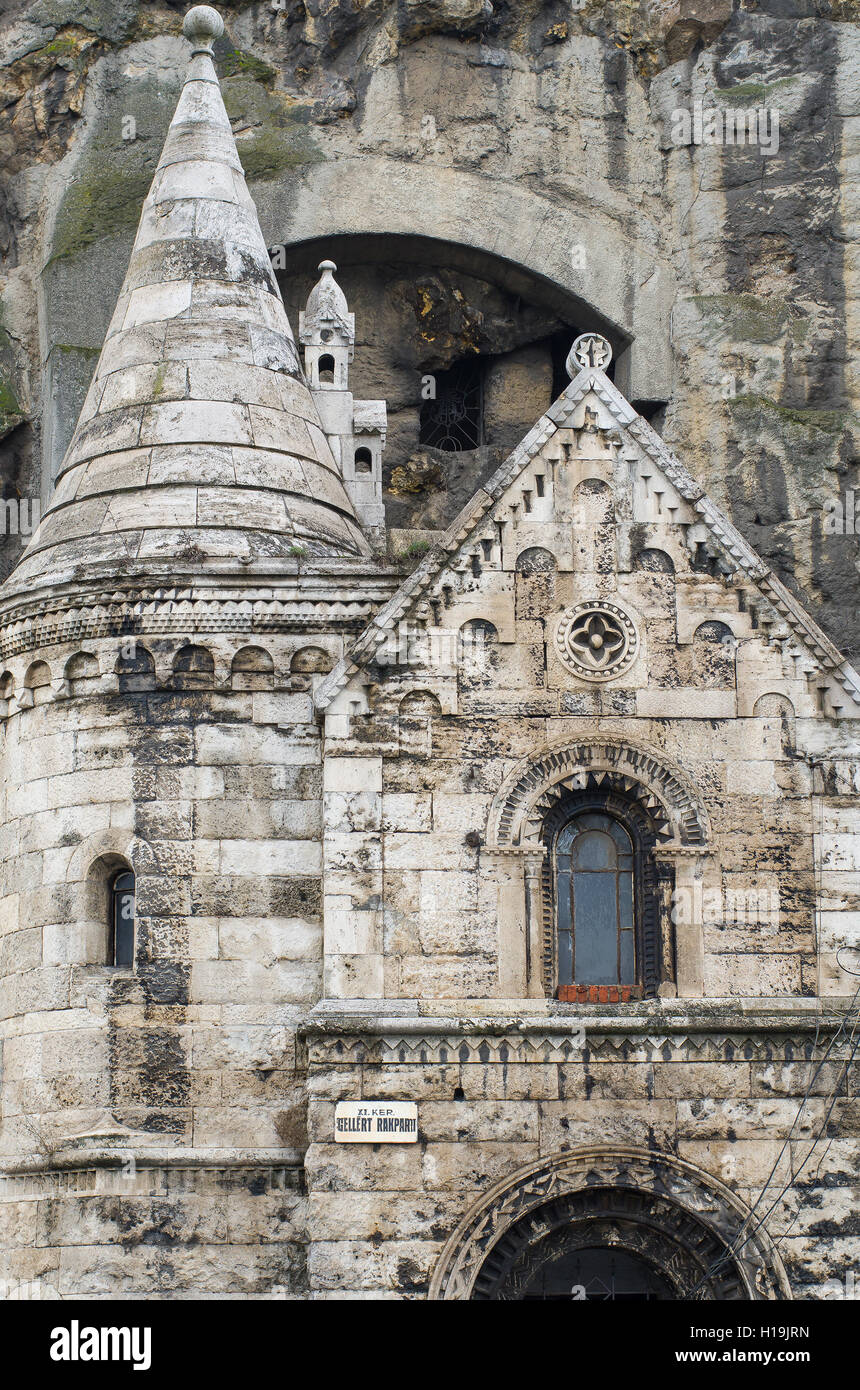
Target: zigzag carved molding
[{"x": 537, "y": 784}]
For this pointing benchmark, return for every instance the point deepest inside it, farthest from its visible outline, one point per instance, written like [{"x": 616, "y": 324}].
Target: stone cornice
[
  {"x": 340, "y": 599},
  {"x": 129, "y": 1170},
  {"x": 644, "y": 1031}
]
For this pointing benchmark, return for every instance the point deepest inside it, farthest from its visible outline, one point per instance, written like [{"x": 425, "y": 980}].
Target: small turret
[
  {"x": 327, "y": 330},
  {"x": 355, "y": 429}
]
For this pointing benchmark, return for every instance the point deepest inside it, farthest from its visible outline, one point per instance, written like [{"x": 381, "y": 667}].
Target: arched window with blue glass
[
  {"x": 607, "y": 897},
  {"x": 596, "y": 901}
]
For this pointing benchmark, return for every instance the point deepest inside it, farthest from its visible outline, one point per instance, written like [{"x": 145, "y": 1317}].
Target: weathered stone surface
[{"x": 338, "y": 843}]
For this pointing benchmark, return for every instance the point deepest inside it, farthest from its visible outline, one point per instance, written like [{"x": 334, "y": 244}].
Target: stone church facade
[{"x": 554, "y": 837}]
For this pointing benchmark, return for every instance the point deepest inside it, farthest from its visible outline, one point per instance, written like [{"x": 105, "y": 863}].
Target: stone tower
[
  {"x": 355, "y": 429},
  {"x": 189, "y": 584}
]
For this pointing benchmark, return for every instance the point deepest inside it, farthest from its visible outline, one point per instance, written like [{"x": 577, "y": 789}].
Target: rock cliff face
[{"x": 489, "y": 175}]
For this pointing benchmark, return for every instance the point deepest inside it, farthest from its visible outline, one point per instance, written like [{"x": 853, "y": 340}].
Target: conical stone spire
[{"x": 199, "y": 440}]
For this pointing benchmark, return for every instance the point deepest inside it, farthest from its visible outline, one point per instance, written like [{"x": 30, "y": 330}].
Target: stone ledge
[
  {"x": 728, "y": 1015},
  {"x": 102, "y": 1170}
]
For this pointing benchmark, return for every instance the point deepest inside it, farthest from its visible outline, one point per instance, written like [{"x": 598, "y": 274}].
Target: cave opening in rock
[{"x": 468, "y": 350}]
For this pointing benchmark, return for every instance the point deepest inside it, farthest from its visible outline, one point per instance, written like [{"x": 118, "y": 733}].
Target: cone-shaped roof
[{"x": 199, "y": 437}]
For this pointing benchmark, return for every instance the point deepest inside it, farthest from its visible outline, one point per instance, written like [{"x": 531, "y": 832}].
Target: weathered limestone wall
[
  {"x": 492, "y": 1102},
  {"x": 714, "y": 711},
  {"x": 165, "y": 1105}
]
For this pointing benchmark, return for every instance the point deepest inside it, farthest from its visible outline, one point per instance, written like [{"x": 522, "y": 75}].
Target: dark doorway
[{"x": 599, "y": 1274}]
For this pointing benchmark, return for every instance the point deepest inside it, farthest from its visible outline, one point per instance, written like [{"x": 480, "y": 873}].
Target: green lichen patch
[
  {"x": 271, "y": 131},
  {"x": 237, "y": 63},
  {"x": 800, "y": 423},
  {"x": 80, "y": 351},
  {"x": 751, "y": 319},
  {"x": 11, "y": 414},
  {"x": 98, "y": 207},
  {"x": 753, "y": 93}
]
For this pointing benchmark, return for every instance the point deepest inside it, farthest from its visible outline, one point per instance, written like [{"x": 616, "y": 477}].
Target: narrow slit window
[{"x": 122, "y": 920}]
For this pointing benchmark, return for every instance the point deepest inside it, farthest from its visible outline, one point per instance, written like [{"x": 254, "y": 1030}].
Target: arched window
[
  {"x": 608, "y": 929},
  {"x": 594, "y": 861},
  {"x": 122, "y": 919},
  {"x": 363, "y": 460},
  {"x": 325, "y": 369},
  {"x": 452, "y": 419}
]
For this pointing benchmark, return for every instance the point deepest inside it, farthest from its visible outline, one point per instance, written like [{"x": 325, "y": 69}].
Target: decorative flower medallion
[
  {"x": 589, "y": 350},
  {"x": 596, "y": 640}
]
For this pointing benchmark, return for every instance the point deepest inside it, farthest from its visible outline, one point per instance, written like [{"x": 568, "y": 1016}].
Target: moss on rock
[
  {"x": 99, "y": 207},
  {"x": 11, "y": 414},
  {"x": 238, "y": 63},
  {"x": 753, "y": 410},
  {"x": 271, "y": 131},
  {"x": 750, "y": 318}
]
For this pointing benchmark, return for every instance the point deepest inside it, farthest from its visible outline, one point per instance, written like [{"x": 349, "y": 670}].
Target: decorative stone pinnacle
[
  {"x": 589, "y": 350},
  {"x": 326, "y": 316},
  {"x": 202, "y": 26}
]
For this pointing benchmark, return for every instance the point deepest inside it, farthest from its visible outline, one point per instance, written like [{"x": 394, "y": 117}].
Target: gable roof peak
[{"x": 586, "y": 363}]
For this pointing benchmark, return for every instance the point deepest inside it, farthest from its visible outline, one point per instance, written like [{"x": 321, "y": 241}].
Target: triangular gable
[{"x": 500, "y": 493}]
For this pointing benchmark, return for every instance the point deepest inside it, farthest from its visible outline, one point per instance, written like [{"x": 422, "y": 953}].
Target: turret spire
[{"x": 199, "y": 441}]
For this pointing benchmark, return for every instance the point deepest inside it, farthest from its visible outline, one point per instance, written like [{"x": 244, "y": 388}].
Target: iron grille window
[{"x": 453, "y": 420}]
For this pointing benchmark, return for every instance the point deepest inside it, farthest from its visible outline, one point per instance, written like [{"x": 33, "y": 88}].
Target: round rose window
[{"x": 596, "y": 640}]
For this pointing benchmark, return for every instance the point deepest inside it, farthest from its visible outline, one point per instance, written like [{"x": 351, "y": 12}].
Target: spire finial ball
[
  {"x": 202, "y": 26},
  {"x": 327, "y": 265}
]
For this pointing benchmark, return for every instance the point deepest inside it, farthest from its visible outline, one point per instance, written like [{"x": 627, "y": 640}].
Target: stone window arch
[
  {"x": 81, "y": 674},
  {"x": 713, "y": 631},
  {"x": 535, "y": 560},
  {"x": 37, "y": 684},
  {"x": 475, "y": 640},
  {"x": 594, "y": 533},
  {"x": 252, "y": 668},
  {"x": 309, "y": 661},
  {"x": 363, "y": 460},
  {"x": 655, "y": 561},
  {"x": 135, "y": 669},
  {"x": 536, "y": 576},
  {"x": 416, "y": 713},
  {"x": 713, "y": 653},
  {"x": 774, "y": 705},
  {"x": 106, "y": 932}
]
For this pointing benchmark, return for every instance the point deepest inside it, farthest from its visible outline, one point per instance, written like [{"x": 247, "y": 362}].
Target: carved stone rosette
[{"x": 596, "y": 640}]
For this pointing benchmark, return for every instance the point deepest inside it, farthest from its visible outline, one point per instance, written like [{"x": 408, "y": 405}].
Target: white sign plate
[{"x": 376, "y": 1122}]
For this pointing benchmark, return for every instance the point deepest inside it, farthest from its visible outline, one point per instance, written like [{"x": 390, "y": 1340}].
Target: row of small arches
[
  {"x": 536, "y": 560},
  {"x": 481, "y": 630},
  {"x": 193, "y": 667}
]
